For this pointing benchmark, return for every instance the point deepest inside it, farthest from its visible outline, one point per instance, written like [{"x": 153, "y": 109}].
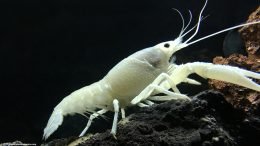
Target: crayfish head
[{"x": 170, "y": 47}]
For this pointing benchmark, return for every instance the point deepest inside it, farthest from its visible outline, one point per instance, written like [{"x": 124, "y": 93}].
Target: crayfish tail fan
[{"x": 54, "y": 122}]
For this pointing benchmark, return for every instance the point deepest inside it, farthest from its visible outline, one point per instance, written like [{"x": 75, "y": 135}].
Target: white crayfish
[{"x": 138, "y": 78}]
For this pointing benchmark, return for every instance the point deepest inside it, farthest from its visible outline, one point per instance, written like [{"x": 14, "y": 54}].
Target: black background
[{"x": 50, "y": 48}]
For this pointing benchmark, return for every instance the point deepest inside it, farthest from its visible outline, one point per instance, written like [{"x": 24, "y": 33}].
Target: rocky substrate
[{"x": 208, "y": 120}]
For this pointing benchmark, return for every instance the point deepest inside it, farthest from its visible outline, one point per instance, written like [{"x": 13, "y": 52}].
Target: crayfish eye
[{"x": 166, "y": 45}]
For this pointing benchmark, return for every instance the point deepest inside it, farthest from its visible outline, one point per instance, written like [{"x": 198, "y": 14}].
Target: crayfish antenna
[{"x": 219, "y": 32}]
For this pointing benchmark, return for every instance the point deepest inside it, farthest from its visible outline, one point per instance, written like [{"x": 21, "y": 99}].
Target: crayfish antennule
[
  {"x": 178, "y": 44},
  {"x": 198, "y": 23}
]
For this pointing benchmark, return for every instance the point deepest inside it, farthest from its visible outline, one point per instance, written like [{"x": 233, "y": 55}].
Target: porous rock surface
[
  {"x": 208, "y": 120},
  {"x": 251, "y": 35}
]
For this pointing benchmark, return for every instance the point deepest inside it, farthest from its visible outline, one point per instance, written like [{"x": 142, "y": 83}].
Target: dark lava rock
[
  {"x": 61, "y": 142},
  {"x": 208, "y": 120},
  {"x": 233, "y": 44}
]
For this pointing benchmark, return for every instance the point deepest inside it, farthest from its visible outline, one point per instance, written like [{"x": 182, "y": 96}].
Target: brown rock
[
  {"x": 240, "y": 97},
  {"x": 251, "y": 35}
]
